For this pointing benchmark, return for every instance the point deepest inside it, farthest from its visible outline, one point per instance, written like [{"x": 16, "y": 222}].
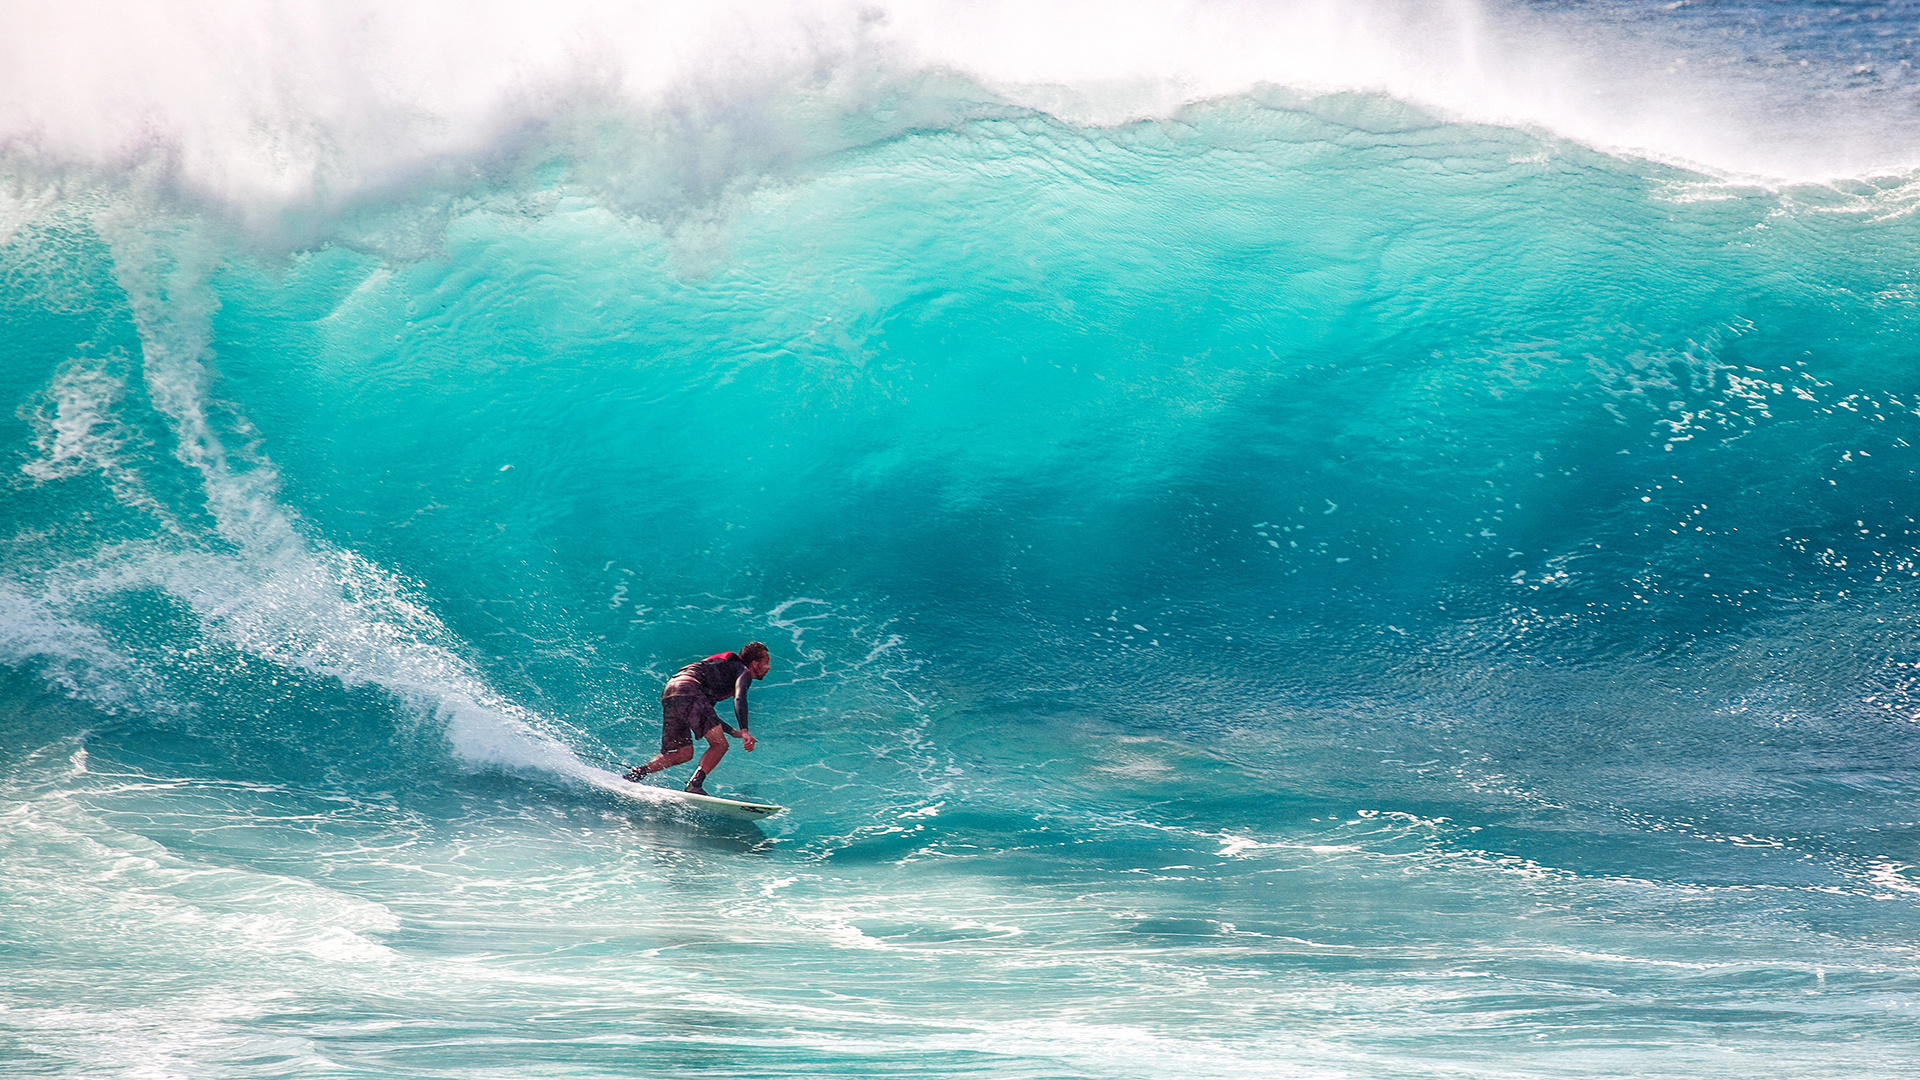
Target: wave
[
  {"x": 288, "y": 117},
  {"x": 1303, "y": 544},
  {"x": 253, "y": 578},
  {"x": 1002, "y": 415}
]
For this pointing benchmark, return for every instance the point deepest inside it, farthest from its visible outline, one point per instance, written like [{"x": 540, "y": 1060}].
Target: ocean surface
[{"x": 1317, "y": 540}]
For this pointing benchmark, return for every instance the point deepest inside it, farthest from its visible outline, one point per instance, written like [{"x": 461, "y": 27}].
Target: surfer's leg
[
  {"x": 663, "y": 760},
  {"x": 716, "y": 749},
  {"x": 676, "y": 735}
]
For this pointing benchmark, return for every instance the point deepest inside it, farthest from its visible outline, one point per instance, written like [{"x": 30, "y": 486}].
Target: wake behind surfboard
[{"x": 713, "y": 804}]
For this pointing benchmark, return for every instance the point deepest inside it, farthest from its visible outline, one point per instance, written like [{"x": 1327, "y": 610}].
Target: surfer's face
[{"x": 759, "y": 667}]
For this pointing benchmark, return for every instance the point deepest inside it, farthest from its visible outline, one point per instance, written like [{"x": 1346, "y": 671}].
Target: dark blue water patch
[
  {"x": 246, "y": 720},
  {"x": 35, "y": 718},
  {"x": 1754, "y": 32}
]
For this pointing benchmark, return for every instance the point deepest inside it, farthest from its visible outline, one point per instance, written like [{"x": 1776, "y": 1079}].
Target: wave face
[{"x": 1277, "y": 578}]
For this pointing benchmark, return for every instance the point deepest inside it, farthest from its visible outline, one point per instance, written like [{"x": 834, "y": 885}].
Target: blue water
[{"x": 1297, "y": 581}]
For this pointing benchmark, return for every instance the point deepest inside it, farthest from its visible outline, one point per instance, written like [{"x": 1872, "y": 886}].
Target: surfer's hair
[{"x": 753, "y": 652}]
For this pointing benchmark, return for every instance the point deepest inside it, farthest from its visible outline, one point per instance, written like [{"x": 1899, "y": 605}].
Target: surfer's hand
[{"x": 747, "y": 741}]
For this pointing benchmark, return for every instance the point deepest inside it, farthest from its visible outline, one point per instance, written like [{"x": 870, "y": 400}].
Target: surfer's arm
[
  {"x": 740, "y": 708},
  {"x": 740, "y": 700}
]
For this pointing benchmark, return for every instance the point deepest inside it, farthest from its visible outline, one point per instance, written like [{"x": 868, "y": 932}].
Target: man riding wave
[{"x": 686, "y": 707}]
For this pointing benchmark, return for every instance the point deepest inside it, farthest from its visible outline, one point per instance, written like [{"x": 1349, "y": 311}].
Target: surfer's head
[{"x": 757, "y": 658}]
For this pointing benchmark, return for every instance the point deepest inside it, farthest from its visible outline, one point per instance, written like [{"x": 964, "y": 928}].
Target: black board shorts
[{"x": 685, "y": 718}]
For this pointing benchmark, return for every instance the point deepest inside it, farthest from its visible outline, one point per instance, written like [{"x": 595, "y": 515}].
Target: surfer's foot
[
  {"x": 634, "y": 774},
  {"x": 696, "y": 787}
]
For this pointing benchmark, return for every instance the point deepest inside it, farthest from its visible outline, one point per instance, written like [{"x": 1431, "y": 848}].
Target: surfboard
[
  {"x": 712, "y": 804},
  {"x": 732, "y": 808}
]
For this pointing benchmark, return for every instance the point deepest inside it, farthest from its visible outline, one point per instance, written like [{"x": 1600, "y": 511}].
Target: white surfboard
[{"x": 713, "y": 804}]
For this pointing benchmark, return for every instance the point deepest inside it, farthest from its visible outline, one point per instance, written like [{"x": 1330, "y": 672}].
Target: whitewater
[{"x": 1297, "y": 539}]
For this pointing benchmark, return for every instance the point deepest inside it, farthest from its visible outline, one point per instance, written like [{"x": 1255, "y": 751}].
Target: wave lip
[{"x": 282, "y": 111}]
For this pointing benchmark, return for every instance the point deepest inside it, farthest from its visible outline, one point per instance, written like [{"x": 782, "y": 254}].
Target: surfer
[{"x": 686, "y": 707}]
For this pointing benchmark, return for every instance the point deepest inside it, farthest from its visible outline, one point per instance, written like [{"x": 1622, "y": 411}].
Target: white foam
[
  {"x": 259, "y": 583},
  {"x": 21, "y": 208},
  {"x": 318, "y": 103},
  {"x": 1891, "y": 875},
  {"x": 77, "y": 431},
  {"x": 74, "y": 656}
]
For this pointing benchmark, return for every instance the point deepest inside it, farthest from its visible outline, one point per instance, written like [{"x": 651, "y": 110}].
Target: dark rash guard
[{"x": 716, "y": 679}]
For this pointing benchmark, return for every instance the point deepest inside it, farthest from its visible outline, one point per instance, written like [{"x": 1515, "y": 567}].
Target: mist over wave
[{"x": 286, "y": 115}]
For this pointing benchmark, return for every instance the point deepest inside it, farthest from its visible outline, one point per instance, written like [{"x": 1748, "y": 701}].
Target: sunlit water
[{"x": 1267, "y": 578}]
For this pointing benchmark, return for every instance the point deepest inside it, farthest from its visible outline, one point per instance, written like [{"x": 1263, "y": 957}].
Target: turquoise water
[{"x": 1306, "y": 582}]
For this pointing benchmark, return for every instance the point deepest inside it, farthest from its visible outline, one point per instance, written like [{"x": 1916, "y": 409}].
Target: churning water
[{"x": 1320, "y": 540}]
